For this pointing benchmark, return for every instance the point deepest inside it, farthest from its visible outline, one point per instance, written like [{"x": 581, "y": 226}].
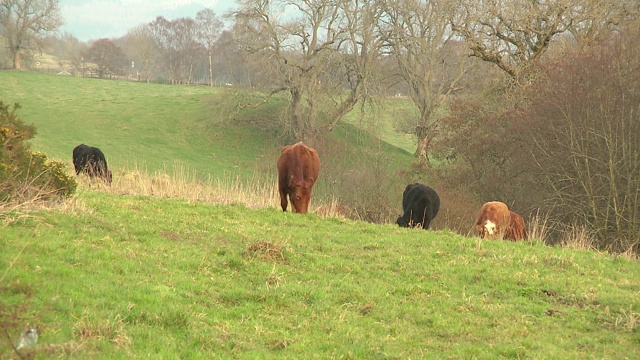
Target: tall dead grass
[
  {"x": 255, "y": 193},
  {"x": 27, "y": 198},
  {"x": 186, "y": 184},
  {"x": 261, "y": 192}
]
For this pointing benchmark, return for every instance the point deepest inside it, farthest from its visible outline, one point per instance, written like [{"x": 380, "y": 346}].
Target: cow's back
[
  {"x": 298, "y": 169},
  {"x": 420, "y": 204},
  {"x": 91, "y": 160},
  {"x": 517, "y": 228},
  {"x": 299, "y": 161},
  {"x": 80, "y": 157}
]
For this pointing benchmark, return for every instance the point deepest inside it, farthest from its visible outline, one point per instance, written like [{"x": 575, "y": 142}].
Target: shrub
[
  {"x": 54, "y": 177},
  {"x": 25, "y": 174},
  {"x": 13, "y": 134},
  {"x": 569, "y": 150},
  {"x": 363, "y": 182},
  {"x": 584, "y": 131}
]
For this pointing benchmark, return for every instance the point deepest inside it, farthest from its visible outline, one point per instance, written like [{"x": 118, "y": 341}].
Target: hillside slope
[
  {"x": 135, "y": 124},
  {"x": 150, "y": 126},
  {"x": 111, "y": 276}
]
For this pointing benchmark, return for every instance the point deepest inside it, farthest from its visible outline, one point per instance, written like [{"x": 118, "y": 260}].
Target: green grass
[
  {"x": 140, "y": 125},
  {"x": 138, "y": 277},
  {"x": 156, "y": 127},
  {"x": 380, "y": 117},
  {"x": 121, "y": 275}
]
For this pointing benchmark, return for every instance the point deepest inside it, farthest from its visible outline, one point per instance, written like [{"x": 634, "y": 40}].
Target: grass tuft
[
  {"x": 112, "y": 330},
  {"x": 268, "y": 251}
]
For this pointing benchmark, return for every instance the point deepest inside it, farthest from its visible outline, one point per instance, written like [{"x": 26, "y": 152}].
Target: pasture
[
  {"x": 126, "y": 276},
  {"x": 155, "y": 128},
  {"x": 171, "y": 266},
  {"x": 160, "y": 129},
  {"x": 149, "y": 127}
]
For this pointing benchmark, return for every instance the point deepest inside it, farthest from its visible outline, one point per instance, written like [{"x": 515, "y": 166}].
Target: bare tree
[
  {"x": 230, "y": 60},
  {"x": 145, "y": 49},
  {"x": 188, "y": 49},
  {"x": 583, "y": 131},
  {"x": 513, "y": 33},
  {"x": 318, "y": 50},
  {"x": 593, "y": 21},
  {"x": 165, "y": 41},
  {"x": 24, "y": 23},
  {"x": 209, "y": 28},
  {"x": 421, "y": 41},
  {"x": 68, "y": 48},
  {"x": 177, "y": 44}
]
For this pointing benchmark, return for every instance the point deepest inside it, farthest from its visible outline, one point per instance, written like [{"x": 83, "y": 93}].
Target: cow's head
[
  {"x": 403, "y": 221},
  {"x": 300, "y": 194},
  {"x": 407, "y": 221},
  {"x": 487, "y": 230}
]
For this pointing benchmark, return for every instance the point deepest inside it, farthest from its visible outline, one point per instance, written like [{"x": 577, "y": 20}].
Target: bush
[
  {"x": 569, "y": 150},
  {"x": 26, "y": 175},
  {"x": 364, "y": 182},
  {"x": 584, "y": 130}
]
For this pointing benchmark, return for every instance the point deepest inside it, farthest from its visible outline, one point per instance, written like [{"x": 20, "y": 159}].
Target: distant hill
[{"x": 153, "y": 127}]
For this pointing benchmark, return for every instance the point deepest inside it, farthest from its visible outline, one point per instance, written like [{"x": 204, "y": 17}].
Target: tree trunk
[
  {"x": 17, "y": 59},
  {"x": 422, "y": 152},
  {"x": 210, "y": 71},
  {"x": 296, "y": 117},
  {"x": 424, "y": 136}
]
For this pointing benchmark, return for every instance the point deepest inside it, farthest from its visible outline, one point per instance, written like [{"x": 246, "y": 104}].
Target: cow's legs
[{"x": 283, "y": 199}]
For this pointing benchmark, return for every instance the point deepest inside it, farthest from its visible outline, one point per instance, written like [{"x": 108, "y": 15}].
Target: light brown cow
[
  {"x": 298, "y": 168},
  {"x": 493, "y": 220},
  {"x": 517, "y": 229}
]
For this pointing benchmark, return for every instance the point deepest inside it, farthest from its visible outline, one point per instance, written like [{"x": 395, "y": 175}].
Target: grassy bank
[
  {"x": 135, "y": 124},
  {"x": 149, "y": 125},
  {"x": 126, "y": 276}
]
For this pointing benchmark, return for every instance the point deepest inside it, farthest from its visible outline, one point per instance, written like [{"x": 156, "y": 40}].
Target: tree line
[{"x": 509, "y": 94}]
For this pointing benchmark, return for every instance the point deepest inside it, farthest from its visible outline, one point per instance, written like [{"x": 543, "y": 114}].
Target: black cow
[
  {"x": 420, "y": 204},
  {"x": 91, "y": 161}
]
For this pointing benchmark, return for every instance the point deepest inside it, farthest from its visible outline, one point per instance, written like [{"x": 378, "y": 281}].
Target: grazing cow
[
  {"x": 420, "y": 204},
  {"x": 517, "y": 228},
  {"x": 298, "y": 167},
  {"x": 91, "y": 161},
  {"x": 493, "y": 220}
]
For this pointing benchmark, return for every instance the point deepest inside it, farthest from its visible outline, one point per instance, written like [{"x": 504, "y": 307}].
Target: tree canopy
[{"x": 24, "y": 23}]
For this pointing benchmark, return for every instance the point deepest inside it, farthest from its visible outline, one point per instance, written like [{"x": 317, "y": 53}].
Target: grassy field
[
  {"x": 123, "y": 276},
  {"x": 169, "y": 266},
  {"x": 152, "y": 127}
]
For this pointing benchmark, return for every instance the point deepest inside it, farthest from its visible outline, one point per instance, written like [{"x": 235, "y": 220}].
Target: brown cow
[
  {"x": 493, "y": 220},
  {"x": 517, "y": 229},
  {"x": 298, "y": 168}
]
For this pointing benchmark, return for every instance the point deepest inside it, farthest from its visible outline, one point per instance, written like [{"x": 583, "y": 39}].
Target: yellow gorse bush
[{"x": 25, "y": 174}]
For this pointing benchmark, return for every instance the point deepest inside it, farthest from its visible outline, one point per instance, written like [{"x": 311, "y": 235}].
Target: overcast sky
[{"x": 95, "y": 19}]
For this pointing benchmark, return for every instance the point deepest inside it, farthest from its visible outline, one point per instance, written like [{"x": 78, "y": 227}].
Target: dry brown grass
[
  {"x": 267, "y": 251},
  {"x": 538, "y": 227},
  {"x": 256, "y": 193},
  {"x": 23, "y": 207},
  {"x": 578, "y": 237},
  {"x": 112, "y": 330},
  {"x": 333, "y": 208}
]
